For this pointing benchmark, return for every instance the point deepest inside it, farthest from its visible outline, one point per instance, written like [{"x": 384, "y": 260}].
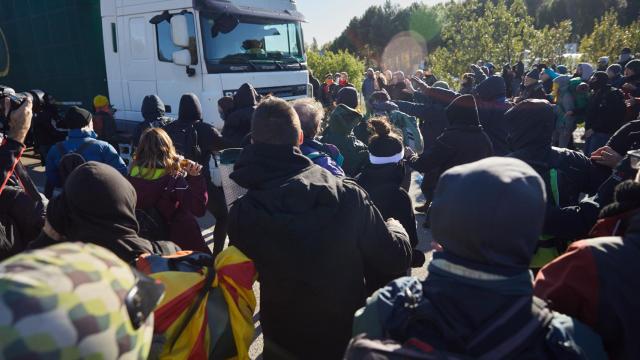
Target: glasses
[{"x": 143, "y": 298}]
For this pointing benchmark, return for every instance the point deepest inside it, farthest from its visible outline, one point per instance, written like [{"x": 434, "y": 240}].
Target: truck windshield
[{"x": 254, "y": 44}]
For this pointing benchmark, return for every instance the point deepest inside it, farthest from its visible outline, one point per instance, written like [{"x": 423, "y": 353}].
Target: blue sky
[{"x": 328, "y": 18}]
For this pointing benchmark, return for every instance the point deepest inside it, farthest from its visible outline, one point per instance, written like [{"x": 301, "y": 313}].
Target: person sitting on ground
[
  {"x": 198, "y": 141},
  {"x": 596, "y": 281},
  {"x": 238, "y": 124},
  {"x": 104, "y": 124},
  {"x": 170, "y": 190},
  {"x": 22, "y": 210},
  {"x": 315, "y": 239},
  {"x": 153, "y": 113},
  {"x": 383, "y": 179},
  {"x": 311, "y": 113},
  {"x": 566, "y": 173},
  {"x": 340, "y": 132},
  {"x": 477, "y": 300},
  {"x": 81, "y": 141},
  {"x": 98, "y": 205}
]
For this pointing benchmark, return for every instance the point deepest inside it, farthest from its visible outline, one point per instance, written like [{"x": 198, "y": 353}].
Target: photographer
[{"x": 21, "y": 207}]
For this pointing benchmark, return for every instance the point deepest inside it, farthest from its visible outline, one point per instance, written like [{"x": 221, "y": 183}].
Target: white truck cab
[{"x": 206, "y": 47}]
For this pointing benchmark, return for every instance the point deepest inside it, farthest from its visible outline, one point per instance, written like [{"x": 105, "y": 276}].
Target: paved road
[{"x": 208, "y": 222}]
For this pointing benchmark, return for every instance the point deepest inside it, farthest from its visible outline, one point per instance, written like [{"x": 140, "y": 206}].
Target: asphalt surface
[{"x": 207, "y": 223}]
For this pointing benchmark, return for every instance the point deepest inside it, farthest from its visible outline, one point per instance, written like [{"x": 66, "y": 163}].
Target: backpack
[
  {"x": 71, "y": 159},
  {"x": 207, "y": 311},
  {"x": 185, "y": 139},
  {"x": 397, "y": 311},
  {"x": 152, "y": 224}
]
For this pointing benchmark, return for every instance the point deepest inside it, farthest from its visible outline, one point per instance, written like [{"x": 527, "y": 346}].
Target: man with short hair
[
  {"x": 315, "y": 240},
  {"x": 311, "y": 113}
]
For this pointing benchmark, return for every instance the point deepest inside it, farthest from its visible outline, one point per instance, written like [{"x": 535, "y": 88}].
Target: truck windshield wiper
[{"x": 296, "y": 61}]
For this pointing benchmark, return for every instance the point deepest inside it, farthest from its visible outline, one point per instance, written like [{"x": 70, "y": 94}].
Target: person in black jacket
[
  {"x": 315, "y": 240},
  {"x": 315, "y": 84},
  {"x": 21, "y": 207},
  {"x": 382, "y": 179},
  {"x": 208, "y": 142},
  {"x": 605, "y": 112},
  {"x": 567, "y": 175},
  {"x": 153, "y": 113},
  {"x": 492, "y": 104},
  {"x": 238, "y": 124},
  {"x": 463, "y": 141}
]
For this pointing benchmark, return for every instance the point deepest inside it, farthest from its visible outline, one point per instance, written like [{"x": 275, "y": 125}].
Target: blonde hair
[{"x": 156, "y": 151}]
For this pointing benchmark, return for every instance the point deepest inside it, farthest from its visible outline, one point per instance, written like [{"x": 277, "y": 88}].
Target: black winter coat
[
  {"x": 626, "y": 138},
  {"x": 238, "y": 124},
  {"x": 315, "y": 239},
  {"x": 605, "y": 111}
]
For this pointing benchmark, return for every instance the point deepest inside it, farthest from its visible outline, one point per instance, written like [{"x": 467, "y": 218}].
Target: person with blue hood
[
  {"x": 562, "y": 70},
  {"x": 492, "y": 104},
  {"x": 477, "y": 301},
  {"x": 153, "y": 113},
  {"x": 565, "y": 106},
  {"x": 238, "y": 124}
]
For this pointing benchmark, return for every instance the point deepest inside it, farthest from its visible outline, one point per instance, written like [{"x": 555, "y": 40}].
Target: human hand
[
  {"x": 606, "y": 156},
  {"x": 422, "y": 86},
  {"x": 20, "y": 120},
  {"x": 192, "y": 168},
  {"x": 436, "y": 247}
]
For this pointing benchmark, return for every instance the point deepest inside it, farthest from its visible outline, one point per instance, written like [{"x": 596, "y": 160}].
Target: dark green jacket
[{"x": 340, "y": 133}]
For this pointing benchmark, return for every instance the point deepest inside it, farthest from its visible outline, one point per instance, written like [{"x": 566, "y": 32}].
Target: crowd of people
[{"x": 328, "y": 222}]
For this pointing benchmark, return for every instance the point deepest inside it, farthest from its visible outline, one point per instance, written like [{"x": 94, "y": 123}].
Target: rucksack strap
[
  {"x": 63, "y": 151},
  {"x": 555, "y": 190}
]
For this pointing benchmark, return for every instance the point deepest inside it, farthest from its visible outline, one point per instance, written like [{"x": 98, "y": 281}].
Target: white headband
[{"x": 375, "y": 160}]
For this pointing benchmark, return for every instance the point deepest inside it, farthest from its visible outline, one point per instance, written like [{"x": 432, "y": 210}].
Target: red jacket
[{"x": 180, "y": 200}]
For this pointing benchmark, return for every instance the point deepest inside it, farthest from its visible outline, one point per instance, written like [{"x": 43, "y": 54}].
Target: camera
[{"x": 38, "y": 98}]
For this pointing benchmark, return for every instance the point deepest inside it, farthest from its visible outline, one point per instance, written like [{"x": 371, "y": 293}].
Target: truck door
[
  {"x": 137, "y": 63},
  {"x": 177, "y": 61}
]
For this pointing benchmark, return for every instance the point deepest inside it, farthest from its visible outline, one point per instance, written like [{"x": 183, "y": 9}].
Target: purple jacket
[
  {"x": 180, "y": 200},
  {"x": 326, "y": 156}
]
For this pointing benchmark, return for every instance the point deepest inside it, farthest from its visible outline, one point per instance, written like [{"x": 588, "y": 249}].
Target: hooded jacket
[
  {"x": 315, "y": 239},
  {"x": 153, "y": 113},
  {"x": 531, "y": 124},
  {"x": 405, "y": 123},
  {"x": 238, "y": 124},
  {"x": 482, "y": 273},
  {"x": 596, "y": 282},
  {"x": 565, "y": 101},
  {"x": 587, "y": 71},
  {"x": 463, "y": 141},
  {"x": 209, "y": 139},
  {"x": 492, "y": 104},
  {"x": 606, "y": 109},
  {"x": 340, "y": 133},
  {"x": 105, "y": 217}
]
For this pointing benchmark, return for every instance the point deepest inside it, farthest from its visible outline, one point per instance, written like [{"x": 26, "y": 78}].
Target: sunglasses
[{"x": 143, "y": 298}]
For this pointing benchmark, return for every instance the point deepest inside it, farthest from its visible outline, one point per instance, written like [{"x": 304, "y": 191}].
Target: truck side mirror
[
  {"x": 182, "y": 57},
  {"x": 180, "y": 31}
]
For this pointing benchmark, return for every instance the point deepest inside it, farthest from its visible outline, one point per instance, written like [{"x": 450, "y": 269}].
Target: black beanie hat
[
  {"x": 598, "y": 80},
  {"x": 348, "y": 96},
  {"x": 634, "y": 65},
  {"x": 463, "y": 111},
  {"x": 384, "y": 147},
  {"x": 534, "y": 74},
  {"x": 76, "y": 118}
]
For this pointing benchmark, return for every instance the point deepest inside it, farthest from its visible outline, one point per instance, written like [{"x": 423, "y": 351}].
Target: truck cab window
[{"x": 166, "y": 47}]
